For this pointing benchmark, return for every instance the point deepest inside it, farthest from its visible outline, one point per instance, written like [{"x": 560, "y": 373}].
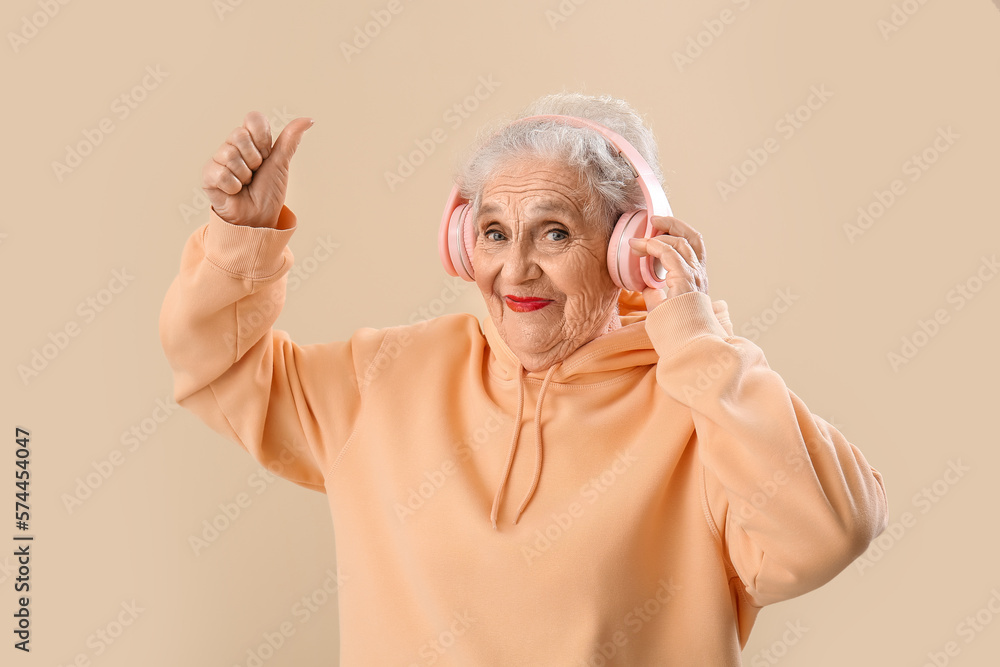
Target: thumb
[
  {"x": 653, "y": 297},
  {"x": 288, "y": 141}
]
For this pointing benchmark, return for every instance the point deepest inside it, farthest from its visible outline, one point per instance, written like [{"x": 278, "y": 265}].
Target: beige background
[{"x": 123, "y": 207}]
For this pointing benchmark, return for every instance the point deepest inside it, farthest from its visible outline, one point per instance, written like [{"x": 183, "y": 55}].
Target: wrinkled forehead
[
  {"x": 532, "y": 203},
  {"x": 535, "y": 187}
]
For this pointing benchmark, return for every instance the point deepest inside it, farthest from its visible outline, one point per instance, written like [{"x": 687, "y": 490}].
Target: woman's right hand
[{"x": 247, "y": 178}]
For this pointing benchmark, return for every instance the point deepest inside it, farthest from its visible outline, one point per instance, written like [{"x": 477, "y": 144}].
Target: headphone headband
[{"x": 652, "y": 191}]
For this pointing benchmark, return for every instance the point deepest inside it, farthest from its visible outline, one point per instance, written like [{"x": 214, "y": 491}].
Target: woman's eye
[
  {"x": 488, "y": 233},
  {"x": 557, "y": 231}
]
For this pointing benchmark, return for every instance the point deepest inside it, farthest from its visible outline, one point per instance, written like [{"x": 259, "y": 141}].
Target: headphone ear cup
[
  {"x": 444, "y": 243},
  {"x": 459, "y": 244},
  {"x": 623, "y": 264},
  {"x": 469, "y": 235},
  {"x": 628, "y": 270}
]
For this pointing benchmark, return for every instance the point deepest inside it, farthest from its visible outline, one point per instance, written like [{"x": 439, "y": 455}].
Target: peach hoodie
[{"x": 665, "y": 482}]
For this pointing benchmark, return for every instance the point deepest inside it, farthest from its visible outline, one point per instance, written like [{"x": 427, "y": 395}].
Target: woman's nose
[{"x": 520, "y": 264}]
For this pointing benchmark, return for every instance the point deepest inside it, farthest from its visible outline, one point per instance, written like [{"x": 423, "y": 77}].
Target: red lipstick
[{"x": 525, "y": 304}]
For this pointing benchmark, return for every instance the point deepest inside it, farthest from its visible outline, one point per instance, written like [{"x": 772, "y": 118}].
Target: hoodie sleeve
[
  {"x": 292, "y": 407},
  {"x": 792, "y": 501}
]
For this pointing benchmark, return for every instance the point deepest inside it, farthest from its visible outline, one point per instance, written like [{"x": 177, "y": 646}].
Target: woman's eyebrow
[
  {"x": 486, "y": 212},
  {"x": 551, "y": 206},
  {"x": 489, "y": 209},
  {"x": 534, "y": 210}
]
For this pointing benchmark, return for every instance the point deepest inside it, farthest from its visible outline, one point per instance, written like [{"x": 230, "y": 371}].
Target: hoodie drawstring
[{"x": 514, "y": 440}]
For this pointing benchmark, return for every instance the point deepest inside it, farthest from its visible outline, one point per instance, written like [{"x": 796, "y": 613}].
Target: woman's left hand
[{"x": 681, "y": 251}]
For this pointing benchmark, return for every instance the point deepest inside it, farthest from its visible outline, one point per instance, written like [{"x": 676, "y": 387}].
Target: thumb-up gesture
[{"x": 247, "y": 178}]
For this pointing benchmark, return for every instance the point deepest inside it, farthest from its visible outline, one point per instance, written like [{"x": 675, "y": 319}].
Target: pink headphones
[{"x": 456, "y": 237}]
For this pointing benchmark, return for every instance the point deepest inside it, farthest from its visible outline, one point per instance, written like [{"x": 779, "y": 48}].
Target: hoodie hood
[{"x": 606, "y": 356}]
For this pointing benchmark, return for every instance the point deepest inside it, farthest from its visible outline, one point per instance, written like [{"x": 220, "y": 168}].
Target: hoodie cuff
[
  {"x": 683, "y": 318},
  {"x": 255, "y": 253}
]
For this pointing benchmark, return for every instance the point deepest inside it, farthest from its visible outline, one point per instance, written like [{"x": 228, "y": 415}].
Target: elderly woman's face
[{"x": 533, "y": 240}]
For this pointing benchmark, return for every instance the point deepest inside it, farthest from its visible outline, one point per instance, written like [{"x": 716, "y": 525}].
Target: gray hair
[{"x": 606, "y": 175}]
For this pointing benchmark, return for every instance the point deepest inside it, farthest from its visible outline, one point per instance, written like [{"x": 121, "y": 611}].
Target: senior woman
[{"x": 670, "y": 483}]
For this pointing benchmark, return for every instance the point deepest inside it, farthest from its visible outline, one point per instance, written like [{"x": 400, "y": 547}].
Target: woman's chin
[
  {"x": 533, "y": 364},
  {"x": 538, "y": 357}
]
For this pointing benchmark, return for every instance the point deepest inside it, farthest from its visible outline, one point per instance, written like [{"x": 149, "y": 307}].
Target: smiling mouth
[{"x": 525, "y": 305}]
